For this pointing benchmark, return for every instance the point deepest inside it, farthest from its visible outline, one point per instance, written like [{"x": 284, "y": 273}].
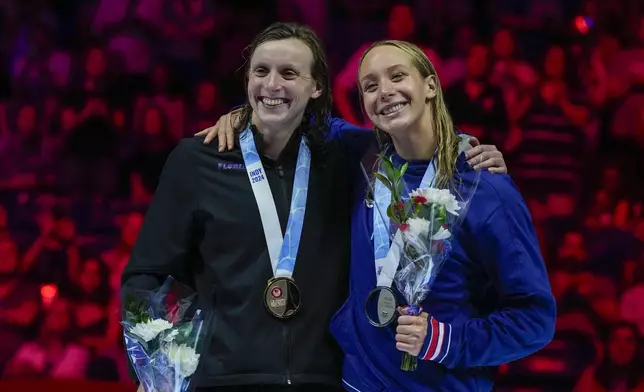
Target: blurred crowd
[{"x": 95, "y": 93}]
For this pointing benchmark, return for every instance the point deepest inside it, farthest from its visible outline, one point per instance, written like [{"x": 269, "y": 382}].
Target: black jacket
[{"x": 203, "y": 227}]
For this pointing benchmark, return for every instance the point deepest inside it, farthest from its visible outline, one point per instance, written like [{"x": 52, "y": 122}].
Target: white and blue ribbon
[
  {"x": 282, "y": 250},
  {"x": 387, "y": 254}
]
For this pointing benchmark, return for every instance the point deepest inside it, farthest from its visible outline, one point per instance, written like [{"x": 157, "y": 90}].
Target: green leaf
[
  {"x": 440, "y": 214},
  {"x": 408, "y": 210},
  {"x": 422, "y": 211},
  {"x": 438, "y": 219},
  {"x": 185, "y": 329},
  {"x": 135, "y": 310},
  {"x": 385, "y": 181},
  {"x": 388, "y": 165},
  {"x": 399, "y": 189},
  {"x": 403, "y": 169},
  {"x": 187, "y": 340},
  {"x": 390, "y": 212}
]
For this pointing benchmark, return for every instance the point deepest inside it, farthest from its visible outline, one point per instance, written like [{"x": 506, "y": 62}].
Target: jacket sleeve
[
  {"x": 356, "y": 139},
  {"x": 164, "y": 239},
  {"x": 524, "y": 319}
]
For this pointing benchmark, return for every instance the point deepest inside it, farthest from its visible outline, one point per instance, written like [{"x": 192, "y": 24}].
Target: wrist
[{"x": 437, "y": 342}]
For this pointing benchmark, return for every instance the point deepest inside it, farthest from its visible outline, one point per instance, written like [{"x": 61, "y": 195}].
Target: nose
[
  {"x": 272, "y": 81},
  {"x": 386, "y": 90}
]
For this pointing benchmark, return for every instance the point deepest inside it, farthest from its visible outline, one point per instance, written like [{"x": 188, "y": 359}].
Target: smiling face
[
  {"x": 280, "y": 83},
  {"x": 394, "y": 93}
]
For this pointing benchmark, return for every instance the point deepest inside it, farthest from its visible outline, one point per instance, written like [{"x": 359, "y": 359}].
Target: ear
[
  {"x": 317, "y": 93},
  {"x": 431, "y": 87}
]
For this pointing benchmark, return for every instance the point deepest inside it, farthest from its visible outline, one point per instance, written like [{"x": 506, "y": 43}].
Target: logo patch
[{"x": 230, "y": 166}]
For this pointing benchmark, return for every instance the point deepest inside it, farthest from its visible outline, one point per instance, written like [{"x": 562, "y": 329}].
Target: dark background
[{"x": 95, "y": 93}]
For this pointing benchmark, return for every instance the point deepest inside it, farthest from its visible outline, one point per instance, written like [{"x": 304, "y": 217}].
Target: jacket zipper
[{"x": 286, "y": 333}]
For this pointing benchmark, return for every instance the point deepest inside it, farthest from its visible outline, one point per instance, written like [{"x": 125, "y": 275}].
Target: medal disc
[
  {"x": 380, "y": 306},
  {"x": 282, "y": 297}
]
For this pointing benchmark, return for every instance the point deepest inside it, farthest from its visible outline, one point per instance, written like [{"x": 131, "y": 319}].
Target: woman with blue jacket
[{"x": 491, "y": 302}]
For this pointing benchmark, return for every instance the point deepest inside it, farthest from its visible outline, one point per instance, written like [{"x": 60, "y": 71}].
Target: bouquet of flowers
[
  {"x": 421, "y": 225},
  {"x": 163, "y": 335}
]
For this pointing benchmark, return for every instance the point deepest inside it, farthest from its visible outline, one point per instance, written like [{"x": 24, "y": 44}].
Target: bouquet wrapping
[
  {"x": 420, "y": 226},
  {"x": 164, "y": 336}
]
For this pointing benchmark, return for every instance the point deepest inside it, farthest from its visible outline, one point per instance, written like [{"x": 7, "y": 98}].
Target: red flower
[
  {"x": 420, "y": 199},
  {"x": 399, "y": 206},
  {"x": 403, "y": 227}
]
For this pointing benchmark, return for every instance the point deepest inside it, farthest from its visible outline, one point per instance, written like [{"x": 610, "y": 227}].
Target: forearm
[
  {"x": 523, "y": 318},
  {"x": 501, "y": 337}
]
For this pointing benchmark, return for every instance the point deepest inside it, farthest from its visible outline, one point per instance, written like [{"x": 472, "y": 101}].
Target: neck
[
  {"x": 418, "y": 142},
  {"x": 275, "y": 138}
]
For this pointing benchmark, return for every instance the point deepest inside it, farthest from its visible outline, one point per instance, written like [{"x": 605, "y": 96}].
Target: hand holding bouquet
[{"x": 421, "y": 226}]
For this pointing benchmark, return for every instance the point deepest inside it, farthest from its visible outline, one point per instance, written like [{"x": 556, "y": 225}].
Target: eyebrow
[
  {"x": 371, "y": 76},
  {"x": 281, "y": 66}
]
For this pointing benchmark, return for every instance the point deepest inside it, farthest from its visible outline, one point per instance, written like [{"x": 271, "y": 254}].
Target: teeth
[
  {"x": 273, "y": 101},
  {"x": 393, "y": 109}
]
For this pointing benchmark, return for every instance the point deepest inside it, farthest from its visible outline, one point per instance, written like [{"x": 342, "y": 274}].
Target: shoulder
[
  {"x": 193, "y": 148},
  {"x": 492, "y": 194},
  {"x": 190, "y": 158},
  {"x": 502, "y": 190},
  {"x": 193, "y": 144}
]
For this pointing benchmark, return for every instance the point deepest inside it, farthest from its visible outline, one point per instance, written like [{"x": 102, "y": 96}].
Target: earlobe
[{"x": 316, "y": 94}]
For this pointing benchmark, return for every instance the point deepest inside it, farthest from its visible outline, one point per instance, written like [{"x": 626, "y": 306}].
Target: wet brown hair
[{"x": 318, "y": 110}]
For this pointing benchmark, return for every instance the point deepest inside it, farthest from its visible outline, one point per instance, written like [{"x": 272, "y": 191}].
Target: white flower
[
  {"x": 438, "y": 196},
  {"x": 184, "y": 358},
  {"x": 418, "y": 226},
  {"x": 150, "y": 330},
  {"x": 170, "y": 337},
  {"x": 441, "y": 234}
]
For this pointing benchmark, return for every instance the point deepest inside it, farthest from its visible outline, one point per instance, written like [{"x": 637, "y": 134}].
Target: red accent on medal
[{"x": 276, "y": 292}]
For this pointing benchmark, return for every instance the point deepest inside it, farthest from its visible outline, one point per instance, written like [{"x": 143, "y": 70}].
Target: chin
[
  {"x": 269, "y": 116},
  {"x": 393, "y": 123},
  {"x": 273, "y": 119},
  {"x": 393, "y": 127}
]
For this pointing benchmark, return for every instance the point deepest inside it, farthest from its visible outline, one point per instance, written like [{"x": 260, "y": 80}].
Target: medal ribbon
[
  {"x": 386, "y": 254},
  {"x": 282, "y": 250}
]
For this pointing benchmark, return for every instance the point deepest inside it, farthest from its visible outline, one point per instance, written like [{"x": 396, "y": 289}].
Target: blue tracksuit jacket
[{"x": 490, "y": 304}]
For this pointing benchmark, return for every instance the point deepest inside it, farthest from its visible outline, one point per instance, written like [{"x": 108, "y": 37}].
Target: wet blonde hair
[{"x": 446, "y": 138}]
